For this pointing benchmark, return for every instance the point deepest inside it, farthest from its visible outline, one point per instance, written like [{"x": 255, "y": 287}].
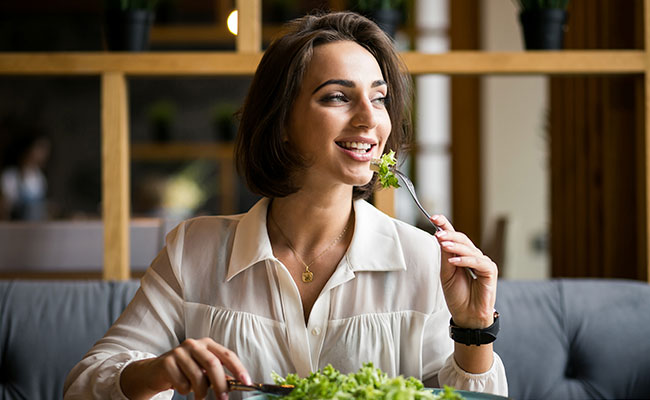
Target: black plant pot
[
  {"x": 162, "y": 132},
  {"x": 128, "y": 30},
  {"x": 543, "y": 29},
  {"x": 225, "y": 130},
  {"x": 387, "y": 19}
]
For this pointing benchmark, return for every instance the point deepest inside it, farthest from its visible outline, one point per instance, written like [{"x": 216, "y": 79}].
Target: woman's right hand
[{"x": 194, "y": 366}]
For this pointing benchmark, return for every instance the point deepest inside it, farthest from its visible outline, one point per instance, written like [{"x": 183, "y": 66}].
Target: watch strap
[{"x": 475, "y": 337}]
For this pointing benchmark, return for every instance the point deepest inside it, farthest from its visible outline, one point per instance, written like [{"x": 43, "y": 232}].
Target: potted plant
[
  {"x": 224, "y": 121},
  {"x": 543, "y": 22},
  {"x": 161, "y": 116},
  {"x": 127, "y": 24},
  {"x": 386, "y": 13}
]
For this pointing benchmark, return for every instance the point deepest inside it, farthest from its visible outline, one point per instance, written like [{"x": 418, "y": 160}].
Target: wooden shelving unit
[
  {"x": 182, "y": 151},
  {"x": 115, "y": 68}
]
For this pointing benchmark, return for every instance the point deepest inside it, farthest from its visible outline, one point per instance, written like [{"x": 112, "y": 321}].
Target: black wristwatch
[{"x": 474, "y": 336}]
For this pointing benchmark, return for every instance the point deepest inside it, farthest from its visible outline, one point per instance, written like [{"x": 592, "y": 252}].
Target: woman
[{"x": 312, "y": 274}]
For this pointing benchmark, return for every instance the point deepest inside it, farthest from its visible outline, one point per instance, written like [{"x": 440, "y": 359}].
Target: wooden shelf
[
  {"x": 145, "y": 64},
  {"x": 182, "y": 151},
  {"x": 530, "y": 62},
  {"x": 233, "y": 63},
  {"x": 206, "y": 34}
]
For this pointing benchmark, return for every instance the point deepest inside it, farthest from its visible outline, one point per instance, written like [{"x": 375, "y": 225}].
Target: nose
[{"x": 364, "y": 114}]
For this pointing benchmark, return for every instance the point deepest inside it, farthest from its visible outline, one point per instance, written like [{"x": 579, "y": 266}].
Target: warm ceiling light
[{"x": 232, "y": 22}]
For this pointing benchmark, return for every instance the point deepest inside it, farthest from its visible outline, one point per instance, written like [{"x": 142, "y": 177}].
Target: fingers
[
  {"x": 460, "y": 249},
  {"x": 465, "y": 256},
  {"x": 482, "y": 265},
  {"x": 196, "y": 365},
  {"x": 177, "y": 379},
  {"x": 452, "y": 238},
  {"x": 442, "y": 222},
  {"x": 185, "y": 360},
  {"x": 230, "y": 361},
  {"x": 210, "y": 366},
  {"x": 449, "y": 234},
  {"x": 174, "y": 373},
  {"x": 213, "y": 357},
  {"x": 463, "y": 251}
]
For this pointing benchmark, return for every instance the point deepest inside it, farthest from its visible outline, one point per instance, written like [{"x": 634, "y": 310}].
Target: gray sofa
[{"x": 560, "y": 339}]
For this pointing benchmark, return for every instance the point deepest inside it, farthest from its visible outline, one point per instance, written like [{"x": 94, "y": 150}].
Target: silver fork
[{"x": 411, "y": 189}]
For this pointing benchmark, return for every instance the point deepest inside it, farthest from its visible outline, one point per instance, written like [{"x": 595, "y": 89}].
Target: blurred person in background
[{"x": 23, "y": 185}]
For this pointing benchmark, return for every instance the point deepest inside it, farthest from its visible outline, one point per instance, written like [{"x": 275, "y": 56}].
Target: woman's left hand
[{"x": 470, "y": 301}]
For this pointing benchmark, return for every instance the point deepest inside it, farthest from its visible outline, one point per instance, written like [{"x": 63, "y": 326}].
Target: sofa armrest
[
  {"x": 575, "y": 338},
  {"x": 47, "y": 326}
]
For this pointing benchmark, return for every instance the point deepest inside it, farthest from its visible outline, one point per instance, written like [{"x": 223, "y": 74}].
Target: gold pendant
[{"x": 307, "y": 276}]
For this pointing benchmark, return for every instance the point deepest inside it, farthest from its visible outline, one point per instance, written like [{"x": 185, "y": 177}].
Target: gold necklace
[{"x": 308, "y": 276}]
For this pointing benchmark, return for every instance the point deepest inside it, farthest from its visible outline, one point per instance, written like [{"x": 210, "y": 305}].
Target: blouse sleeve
[
  {"x": 152, "y": 324},
  {"x": 438, "y": 358},
  {"x": 492, "y": 381}
]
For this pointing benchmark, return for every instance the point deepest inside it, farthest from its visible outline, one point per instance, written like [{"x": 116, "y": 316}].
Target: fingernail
[
  {"x": 454, "y": 260},
  {"x": 441, "y": 234},
  {"x": 245, "y": 378},
  {"x": 448, "y": 244}
]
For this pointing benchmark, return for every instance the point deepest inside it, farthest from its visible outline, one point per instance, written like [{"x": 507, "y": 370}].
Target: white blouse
[{"x": 218, "y": 277}]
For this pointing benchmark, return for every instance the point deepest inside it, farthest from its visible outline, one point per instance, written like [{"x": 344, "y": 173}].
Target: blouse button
[{"x": 315, "y": 331}]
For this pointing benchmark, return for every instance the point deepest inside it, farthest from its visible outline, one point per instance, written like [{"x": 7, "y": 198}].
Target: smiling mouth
[{"x": 357, "y": 147}]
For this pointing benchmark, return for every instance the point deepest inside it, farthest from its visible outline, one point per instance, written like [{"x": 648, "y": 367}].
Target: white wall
[
  {"x": 514, "y": 149},
  {"x": 433, "y": 114}
]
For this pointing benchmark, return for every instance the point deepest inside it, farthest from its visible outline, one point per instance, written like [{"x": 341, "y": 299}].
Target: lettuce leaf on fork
[{"x": 383, "y": 167}]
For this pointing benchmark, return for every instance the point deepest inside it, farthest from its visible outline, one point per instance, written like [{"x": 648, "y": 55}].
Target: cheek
[
  {"x": 384, "y": 129},
  {"x": 309, "y": 119}
]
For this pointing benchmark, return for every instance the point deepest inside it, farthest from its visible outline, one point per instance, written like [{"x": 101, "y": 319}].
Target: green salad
[
  {"x": 383, "y": 168},
  {"x": 367, "y": 383}
]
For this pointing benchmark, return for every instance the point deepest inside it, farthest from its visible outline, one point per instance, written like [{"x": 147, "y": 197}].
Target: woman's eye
[
  {"x": 381, "y": 100},
  {"x": 335, "y": 98}
]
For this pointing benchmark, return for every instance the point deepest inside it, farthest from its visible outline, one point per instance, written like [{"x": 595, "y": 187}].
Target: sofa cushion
[
  {"x": 47, "y": 327},
  {"x": 575, "y": 339}
]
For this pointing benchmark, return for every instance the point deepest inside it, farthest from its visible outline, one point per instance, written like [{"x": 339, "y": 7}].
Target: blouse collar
[{"x": 375, "y": 244}]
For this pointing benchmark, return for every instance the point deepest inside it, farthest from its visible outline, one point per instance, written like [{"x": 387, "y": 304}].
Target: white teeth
[{"x": 361, "y": 147}]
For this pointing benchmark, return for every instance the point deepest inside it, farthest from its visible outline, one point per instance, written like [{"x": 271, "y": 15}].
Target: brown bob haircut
[{"x": 263, "y": 156}]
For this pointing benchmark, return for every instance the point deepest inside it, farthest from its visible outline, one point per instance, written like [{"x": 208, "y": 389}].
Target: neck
[{"x": 310, "y": 221}]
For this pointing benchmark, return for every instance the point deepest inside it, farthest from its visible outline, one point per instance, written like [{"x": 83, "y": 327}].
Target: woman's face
[{"x": 339, "y": 120}]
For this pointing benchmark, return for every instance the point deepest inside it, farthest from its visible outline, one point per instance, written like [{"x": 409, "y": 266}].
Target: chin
[{"x": 362, "y": 180}]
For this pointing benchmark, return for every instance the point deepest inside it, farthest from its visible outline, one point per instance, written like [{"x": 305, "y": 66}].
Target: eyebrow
[{"x": 346, "y": 83}]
